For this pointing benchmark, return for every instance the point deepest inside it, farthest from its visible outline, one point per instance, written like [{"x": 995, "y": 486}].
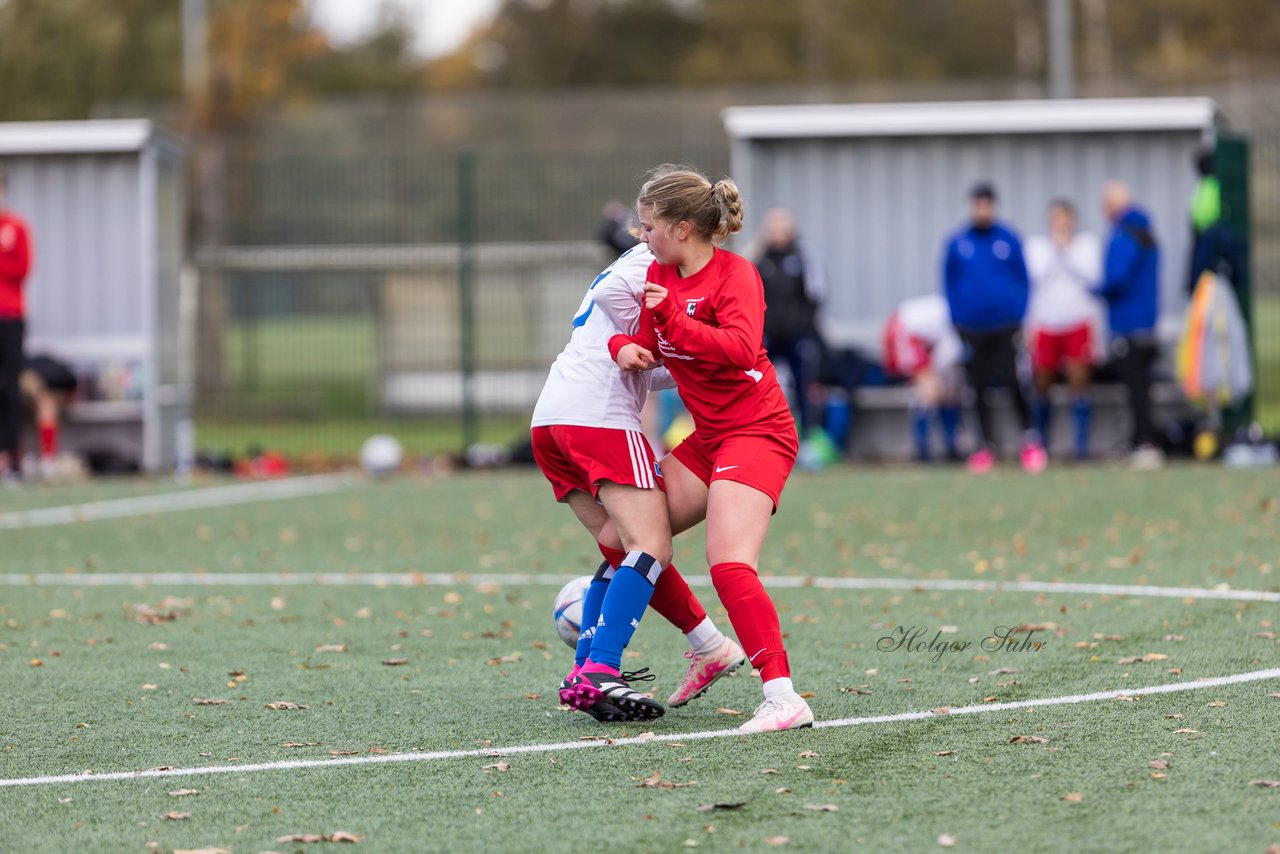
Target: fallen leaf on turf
[
  {"x": 1073, "y": 797},
  {"x": 691, "y": 843},
  {"x": 941, "y": 710},
  {"x": 804, "y": 767},
  {"x": 1274, "y": 694},
  {"x": 377, "y": 749},
  {"x": 182, "y": 793},
  {"x": 332, "y": 647},
  {"x": 200, "y": 701},
  {"x": 943, "y": 752},
  {"x": 177, "y": 816},
  {"x": 201, "y": 851},
  {"x": 855, "y": 689},
  {"x": 1125, "y": 698},
  {"x": 1216, "y": 704},
  {"x": 603, "y": 738},
  {"x": 807, "y": 695},
  {"x": 497, "y": 766},
  {"x": 822, "y": 807},
  {"x": 946, "y": 840},
  {"x": 782, "y": 790},
  {"x": 158, "y": 646},
  {"x": 149, "y": 687},
  {"x": 35, "y": 662},
  {"x": 1266, "y": 635},
  {"x": 343, "y": 752},
  {"x": 1002, "y": 670},
  {"x": 1186, "y": 731},
  {"x": 1173, "y": 716},
  {"x": 809, "y": 754},
  {"x": 64, "y": 800},
  {"x": 1151, "y": 656},
  {"x": 721, "y": 807},
  {"x": 1158, "y": 775},
  {"x": 768, "y": 770},
  {"x": 728, "y": 712},
  {"x": 504, "y": 659},
  {"x": 990, "y": 699},
  {"x": 1265, "y": 784},
  {"x": 655, "y": 781},
  {"x": 339, "y": 836},
  {"x": 1162, "y": 764},
  {"x": 1028, "y": 739},
  {"x": 301, "y": 744},
  {"x": 285, "y": 705},
  {"x": 395, "y": 662},
  {"x": 533, "y": 696},
  {"x": 777, "y": 840}
]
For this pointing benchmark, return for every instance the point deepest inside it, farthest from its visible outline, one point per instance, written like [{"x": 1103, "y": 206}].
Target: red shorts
[
  {"x": 761, "y": 462},
  {"x": 581, "y": 457},
  {"x": 904, "y": 354},
  {"x": 1051, "y": 350}
]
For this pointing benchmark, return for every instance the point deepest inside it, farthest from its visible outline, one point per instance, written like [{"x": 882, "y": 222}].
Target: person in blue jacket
[
  {"x": 1130, "y": 288},
  {"x": 986, "y": 286}
]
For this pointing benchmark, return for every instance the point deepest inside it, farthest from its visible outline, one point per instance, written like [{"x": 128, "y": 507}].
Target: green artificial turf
[{"x": 120, "y": 667}]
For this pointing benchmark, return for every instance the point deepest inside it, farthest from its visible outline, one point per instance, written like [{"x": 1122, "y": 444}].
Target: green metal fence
[{"x": 418, "y": 295}]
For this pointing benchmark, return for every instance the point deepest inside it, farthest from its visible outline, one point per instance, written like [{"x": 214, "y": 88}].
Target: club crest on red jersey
[{"x": 691, "y": 305}]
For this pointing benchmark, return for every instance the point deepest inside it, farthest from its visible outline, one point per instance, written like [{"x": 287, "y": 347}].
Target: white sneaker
[
  {"x": 704, "y": 670},
  {"x": 779, "y": 713}
]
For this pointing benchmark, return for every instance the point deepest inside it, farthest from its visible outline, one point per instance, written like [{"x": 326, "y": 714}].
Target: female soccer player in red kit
[{"x": 705, "y": 319}]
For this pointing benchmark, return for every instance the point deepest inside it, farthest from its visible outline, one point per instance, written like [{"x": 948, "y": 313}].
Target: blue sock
[
  {"x": 1040, "y": 417},
  {"x": 920, "y": 432},
  {"x": 949, "y": 418},
  {"x": 591, "y": 611},
  {"x": 1082, "y": 409},
  {"x": 624, "y": 604}
]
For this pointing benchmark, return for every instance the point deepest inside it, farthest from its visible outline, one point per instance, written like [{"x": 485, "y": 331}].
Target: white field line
[
  {"x": 515, "y": 750},
  {"x": 442, "y": 579},
  {"x": 169, "y": 502}
]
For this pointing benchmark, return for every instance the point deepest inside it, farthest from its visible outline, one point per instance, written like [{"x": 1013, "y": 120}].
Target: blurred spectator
[
  {"x": 985, "y": 281},
  {"x": 1130, "y": 287},
  {"x": 47, "y": 386},
  {"x": 1215, "y": 246},
  {"x": 15, "y": 263},
  {"x": 614, "y": 231},
  {"x": 794, "y": 288},
  {"x": 1064, "y": 265},
  {"x": 921, "y": 345}
]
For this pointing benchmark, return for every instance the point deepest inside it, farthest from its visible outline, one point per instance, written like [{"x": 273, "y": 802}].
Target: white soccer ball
[
  {"x": 381, "y": 455},
  {"x": 567, "y": 610}
]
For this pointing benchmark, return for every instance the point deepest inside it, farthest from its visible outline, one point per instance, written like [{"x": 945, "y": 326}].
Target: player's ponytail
[{"x": 677, "y": 194}]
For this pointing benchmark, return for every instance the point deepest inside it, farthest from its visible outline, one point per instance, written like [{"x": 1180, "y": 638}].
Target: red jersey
[
  {"x": 710, "y": 332},
  {"x": 15, "y": 263}
]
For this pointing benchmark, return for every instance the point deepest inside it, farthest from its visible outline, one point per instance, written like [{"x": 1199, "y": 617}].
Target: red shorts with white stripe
[
  {"x": 1051, "y": 350},
  {"x": 905, "y": 355},
  {"x": 582, "y": 457},
  {"x": 761, "y": 462}
]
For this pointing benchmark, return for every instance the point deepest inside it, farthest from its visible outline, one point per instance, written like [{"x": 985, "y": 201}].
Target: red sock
[
  {"x": 49, "y": 440},
  {"x": 673, "y": 599},
  {"x": 754, "y": 618},
  {"x": 614, "y": 556}
]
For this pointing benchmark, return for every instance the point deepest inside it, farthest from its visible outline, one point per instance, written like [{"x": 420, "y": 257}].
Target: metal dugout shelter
[{"x": 103, "y": 200}]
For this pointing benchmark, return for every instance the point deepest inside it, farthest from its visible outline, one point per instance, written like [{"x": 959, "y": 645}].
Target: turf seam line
[
  {"x": 170, "y": 502},
  {"x": 555, "y": 747},
  {"x": 441, "y": 579}
]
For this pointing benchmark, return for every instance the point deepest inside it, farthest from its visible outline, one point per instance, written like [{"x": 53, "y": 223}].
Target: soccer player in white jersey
[
  {"x": 1063, "y": 317},
  {"x": 587, "y": 441},
  {"x": 921, "y": 345}
]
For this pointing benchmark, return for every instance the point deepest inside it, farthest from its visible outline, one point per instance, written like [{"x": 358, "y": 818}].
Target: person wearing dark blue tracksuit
[
  {"x": 1130, "y": 288},
  {"x": 986, "y": 286}
]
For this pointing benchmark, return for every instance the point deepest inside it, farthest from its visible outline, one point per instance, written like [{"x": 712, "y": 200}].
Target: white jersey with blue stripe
[{"x": 585, "y": 388}]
